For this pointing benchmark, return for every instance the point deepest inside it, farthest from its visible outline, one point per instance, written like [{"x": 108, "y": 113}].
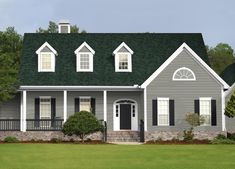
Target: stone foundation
[
  {"x": 45, "y": 135},
  {"x": 167, "y": 135}
]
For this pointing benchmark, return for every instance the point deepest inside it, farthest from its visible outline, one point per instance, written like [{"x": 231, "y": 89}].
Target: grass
[{"x": 75, "y": 156}]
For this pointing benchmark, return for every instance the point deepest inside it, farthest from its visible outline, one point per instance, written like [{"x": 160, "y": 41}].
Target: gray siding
[
  {"x": 84, "y": 49},
  {"x": 98, "y": 101},
  {"x": 230, "y": 124},
  {"x": 11, "y": 108},
  {"x": 31, "y": 95},
  {"x": 123, "y": 49},
  {"x": 46, "y": 49},
  {"x": 58, "y": 95},
  {"x": 183, "y": 92},
  {"x": 113, "y": 96}
]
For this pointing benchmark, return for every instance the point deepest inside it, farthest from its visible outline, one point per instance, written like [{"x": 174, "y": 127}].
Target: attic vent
[{"x": 64, "y": 27}]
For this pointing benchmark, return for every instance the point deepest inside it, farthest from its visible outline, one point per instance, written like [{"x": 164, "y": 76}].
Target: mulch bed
[
  {"x": 59, "y": 142},
  {"x": 178, "y": 142}
]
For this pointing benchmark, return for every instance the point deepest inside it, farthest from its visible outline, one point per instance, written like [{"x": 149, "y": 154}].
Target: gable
[
  {"x": 123, "y": 49},
  {"x": 46, "y": 49},
  {"x": 151, "y": 50},
  {"x": 185, "y": 48},
  {"x": 84, "y": 49}
]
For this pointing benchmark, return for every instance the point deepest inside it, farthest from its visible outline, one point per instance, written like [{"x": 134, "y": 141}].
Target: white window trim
[
  {"x": 193, "y": 79},
  {"x": 64, "y": 24},
  {"x": 90, "y": 62},
  {"x": 163, "y": 99},
  {"x": 52, "y": 62},
  {"x": 44, "y": 97},
  {"x": 129, "y": 58},
  {"x": 206, "y": 99},
  {"x": 91, "y": 55},
  {"x": 85, "y": 97}
]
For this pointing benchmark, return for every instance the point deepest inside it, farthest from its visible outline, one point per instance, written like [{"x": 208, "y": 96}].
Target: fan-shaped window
[{"x": 184, "y": 74}]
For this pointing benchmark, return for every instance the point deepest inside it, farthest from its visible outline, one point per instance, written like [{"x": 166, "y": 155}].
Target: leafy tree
[
  {"x": 10, "y": 48},
  {"x": 230, "y": 106},
  {"x": 82, "y": 124},
  {"x": 53, "y": 28},
  {"x": 220, "y": 56}
]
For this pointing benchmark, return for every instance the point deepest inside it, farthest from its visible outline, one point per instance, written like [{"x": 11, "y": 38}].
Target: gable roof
[
  {"x": 151, "y": 50},
  {"x": 184, "y": 46},
  {"x": 46, "y": 44},
  {"x": 123, "y": 44},
  {"x": 84, "y": 44}
]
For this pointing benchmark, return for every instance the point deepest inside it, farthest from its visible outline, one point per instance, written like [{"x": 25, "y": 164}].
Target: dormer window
[
  {"x": 46, "y": 58},
  {"x": 123, "y": 58},
  {"x": 84, "y": 58}
]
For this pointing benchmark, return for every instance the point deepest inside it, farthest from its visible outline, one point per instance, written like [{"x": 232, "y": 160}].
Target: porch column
[
  {"x": 105, "y": 105},
  {"x": 145, "y": 109},
  {"x": 65, "y": 105},
  {"x": 23, "y": 111}
]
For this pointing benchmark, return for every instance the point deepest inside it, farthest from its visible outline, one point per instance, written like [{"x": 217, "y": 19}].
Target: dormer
[
  {"x": 46, "y": 58},
  {"x": 84, "y": 58},
  {"x": 123, "y": 58}
]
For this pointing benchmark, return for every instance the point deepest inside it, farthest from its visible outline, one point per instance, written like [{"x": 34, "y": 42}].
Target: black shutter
[
  {"x": 213, "y": 112},
  {"x": 197, "y": 107},
  {"x": 93, "y": 105},
  {"x": 154, "y": 116},
  {"x": 53, "y": 111},
  {"x": 77, "y": 105},
  {"x": 37, "y": 110},
  {"x": 172, "y": 112}
]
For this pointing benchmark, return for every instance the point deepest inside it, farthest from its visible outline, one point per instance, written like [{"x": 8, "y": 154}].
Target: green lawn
[{"x": 71, "y": 156}]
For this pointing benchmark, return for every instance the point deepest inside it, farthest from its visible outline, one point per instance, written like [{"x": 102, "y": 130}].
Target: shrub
[
  {"x": 220, "y": 136},
  {"x": 10, "y": 139},
  {"x": 222, "y": 141},
  {"x": 231, "y": 136},
  {"x": 56, "y": 140},
  {"x": 188, "y": 135},
  {"x": 82, "y": 124}
]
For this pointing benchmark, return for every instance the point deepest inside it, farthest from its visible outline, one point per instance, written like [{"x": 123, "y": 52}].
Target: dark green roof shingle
[
  {"x": 229, "y": 74},
  {"x": 150, "y": 51}
]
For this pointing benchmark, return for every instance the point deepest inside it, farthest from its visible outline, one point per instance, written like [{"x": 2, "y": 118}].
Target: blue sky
[{"x": 214, "y": 18}]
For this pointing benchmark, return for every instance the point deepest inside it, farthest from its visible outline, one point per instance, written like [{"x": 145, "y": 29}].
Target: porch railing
[
  {"x": 44, "y": 124},
  {"x": 9, "y": 124}
]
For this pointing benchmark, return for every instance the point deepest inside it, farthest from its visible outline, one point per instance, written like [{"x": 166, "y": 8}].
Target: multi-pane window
[
  {"x": 46, "y": 62},
  {"x": 45, "y": 108},
  {"x": 163, "y": 111},
  {"x": 205, "y": 110},
  {"x": 84, "y": 61},
  {"x": 123, "y": 61},
  {"x": 184, "y": 74},
  {"x": 85, "y": 104}
]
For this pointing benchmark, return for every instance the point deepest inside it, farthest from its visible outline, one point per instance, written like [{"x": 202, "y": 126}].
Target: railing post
[{"x": 142, "y": 131}]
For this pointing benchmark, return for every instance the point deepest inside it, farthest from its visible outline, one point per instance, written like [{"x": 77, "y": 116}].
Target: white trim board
[
  {"x": 46, "y": 44},
  {"x": 81, "y": 46},
  {"x": 123, "y": 44},
  {"x": 173, "y": 56}
]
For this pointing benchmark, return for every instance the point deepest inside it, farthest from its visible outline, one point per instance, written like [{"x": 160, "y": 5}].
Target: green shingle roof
[
  {"x": 229, "y": 74},
  {"x": 150, "y": 51}
]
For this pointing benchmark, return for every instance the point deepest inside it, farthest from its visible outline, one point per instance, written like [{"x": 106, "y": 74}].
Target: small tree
[
  {"x": 230, "y": 107},
  {"x": 193, "y": 120},
  {"x": 81, "y": 124}
]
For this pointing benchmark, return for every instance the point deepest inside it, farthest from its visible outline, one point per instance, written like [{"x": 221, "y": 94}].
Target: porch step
[{"x": 123, "y": 136}]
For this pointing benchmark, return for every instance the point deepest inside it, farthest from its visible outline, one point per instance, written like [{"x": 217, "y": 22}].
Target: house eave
[{"x": 80, "y": 88}]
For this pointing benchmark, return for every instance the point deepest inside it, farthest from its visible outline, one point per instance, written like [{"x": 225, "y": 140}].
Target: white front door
[{"x": 125, "y": 115}]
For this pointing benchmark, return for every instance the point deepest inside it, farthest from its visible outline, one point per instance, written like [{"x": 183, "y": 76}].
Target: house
[
  {"x": 125, "y": 79},
  {"x": 229, "y": 76}
]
